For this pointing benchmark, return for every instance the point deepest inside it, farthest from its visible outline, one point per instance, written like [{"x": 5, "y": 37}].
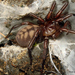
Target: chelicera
[{"x": 51, "y": 26}]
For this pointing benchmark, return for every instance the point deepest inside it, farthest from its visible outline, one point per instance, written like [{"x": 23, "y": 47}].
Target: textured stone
[
  {"x": 14, "y": 59},
  {"x": 73, "y": 0}
]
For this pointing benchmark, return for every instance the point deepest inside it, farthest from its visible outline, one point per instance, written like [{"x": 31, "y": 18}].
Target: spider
[{"x": 51, "y": 26}]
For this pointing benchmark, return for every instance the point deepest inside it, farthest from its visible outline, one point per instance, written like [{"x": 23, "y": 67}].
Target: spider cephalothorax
[{"x": 51, "y": 26}]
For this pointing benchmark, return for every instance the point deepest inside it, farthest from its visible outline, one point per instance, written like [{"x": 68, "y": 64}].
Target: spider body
[
  {"x": 51, "y": 26},
  {"x": 25, "y": 35},
  {"x": 50, "y": 29}
]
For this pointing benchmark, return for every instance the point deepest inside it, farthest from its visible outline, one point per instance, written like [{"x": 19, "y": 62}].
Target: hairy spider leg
[
  {"x": 62, "y": 19},
  {"x": 51, "y": 10},
  {"x": 44, "y": 53},
  {"x": 65, "y": 29},
  {"x": 31, "y": 44},
  {"x": 30, "y": 55},
  {"x": 16, "y": 26},
  {"x": 39, "y": 18},
  {"x": 56, "y": 34},
  {"x": 61, "y": 10},
  {"x": 67, "y": 23}
]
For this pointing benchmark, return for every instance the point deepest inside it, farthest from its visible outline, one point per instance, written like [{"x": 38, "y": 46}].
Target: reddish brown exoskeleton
[{"x": 51, "y": 26}]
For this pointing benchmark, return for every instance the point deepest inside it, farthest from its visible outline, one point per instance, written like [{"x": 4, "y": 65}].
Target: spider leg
[
  {"x": 51, "y": 10},
  {"x": 67, "y": 30},
  {"x": 31, "y": 44},
  {"x": 30, "y": 56},
  {"x": 44, "y": 53},
  {"x": 16, "y": 26},
  {"x": 67, "y": 16},
  {"x": 56, "y": 34},
  {"x": 63, "y": 14},
  {"x": 61, "y": 10},
  {"x": 39, "y": 18},
  {"x": 67, "y": 23}
]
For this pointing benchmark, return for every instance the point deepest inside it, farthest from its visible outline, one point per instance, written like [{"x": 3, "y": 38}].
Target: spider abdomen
[{"x": 25, "y": 35}]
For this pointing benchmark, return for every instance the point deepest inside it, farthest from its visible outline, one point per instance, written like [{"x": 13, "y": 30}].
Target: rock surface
[{"x": 14, "y": 59}]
